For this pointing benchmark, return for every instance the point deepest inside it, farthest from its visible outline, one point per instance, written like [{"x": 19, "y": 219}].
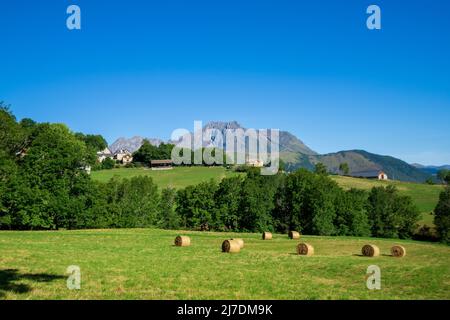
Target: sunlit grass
[
  {"x": 144, "y": 264},
  {"x": 178, "y": 177}
]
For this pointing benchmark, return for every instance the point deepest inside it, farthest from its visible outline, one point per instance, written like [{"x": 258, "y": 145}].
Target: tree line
[
  {"x": 304, "y": 201},
  {"x": 44, "y": 186}
]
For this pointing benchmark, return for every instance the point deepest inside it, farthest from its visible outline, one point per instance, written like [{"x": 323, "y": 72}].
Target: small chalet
[
  {"x": 370, "y": 174},
  {"x": 161, "y": 164}
]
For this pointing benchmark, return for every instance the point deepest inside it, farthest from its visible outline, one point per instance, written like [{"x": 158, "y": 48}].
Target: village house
[
  {"x": 370, "y": 174},
  {"x": 102, "y": 155},
  {"x": 123, "y": 156},
  {"x": 255, "y": 163}
]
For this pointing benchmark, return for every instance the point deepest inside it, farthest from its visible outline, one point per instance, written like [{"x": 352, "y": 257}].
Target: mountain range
[
  {"x": 296, "y": 154},
  {"x": 433, "y": 170}
]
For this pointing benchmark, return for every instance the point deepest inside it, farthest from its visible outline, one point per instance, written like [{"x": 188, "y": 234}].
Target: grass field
[
  {"x": 424, "y": 196},
  {"x": 143, "y": 264},
  {"x": 179, "y": 177}
]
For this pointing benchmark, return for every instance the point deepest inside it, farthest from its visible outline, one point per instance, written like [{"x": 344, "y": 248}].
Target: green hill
[
  {"x": 358, "y": 160},
  {"x": 424, "y": 196},
  {"x": 179, "y": 177},
  {"x": 144, "y": 264}
]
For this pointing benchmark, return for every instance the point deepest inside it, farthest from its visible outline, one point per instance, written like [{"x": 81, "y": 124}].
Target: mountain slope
[
  {"x": 360, "y": 160},
  {"x": 132, "y": 144},
  {"x": 288, "y": 142},
  {"x": 433, "y": 170}
]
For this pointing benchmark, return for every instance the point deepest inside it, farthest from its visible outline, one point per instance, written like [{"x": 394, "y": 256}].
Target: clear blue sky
[{"x": 309, "y": 67}]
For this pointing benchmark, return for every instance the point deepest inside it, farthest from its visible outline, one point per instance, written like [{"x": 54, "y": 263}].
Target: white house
[
  {"x": 124, "y": 156},
  {"x": 255, "y": 163},
  {"x": 102, "y": 155}
]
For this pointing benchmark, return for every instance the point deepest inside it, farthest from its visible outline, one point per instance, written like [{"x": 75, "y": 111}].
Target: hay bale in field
[
  {"x": 267, "y": 236},
  {"x": 398, "y": 251},
  {"x": 305, "y": 249},
  {"x": 182, "y": 241},
  {"x": 231, "y": 246},
  {"x": 294, "y": 235},
  {"x": 240, "y": 241},
  {"x": 370, "y": 250}
]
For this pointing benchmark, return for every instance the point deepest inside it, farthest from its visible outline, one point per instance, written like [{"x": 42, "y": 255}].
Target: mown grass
[
  {"x": 178, "y": 177},
  {"x": 144, "y": 264},
  {"x": 424, "y": 196}
]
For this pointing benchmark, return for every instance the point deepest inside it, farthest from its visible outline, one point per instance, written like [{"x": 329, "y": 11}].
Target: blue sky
[{"x": 309, "y": 67}]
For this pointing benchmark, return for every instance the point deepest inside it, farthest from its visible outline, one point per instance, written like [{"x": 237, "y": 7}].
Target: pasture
[
  {"x": 178, "y": 177},
  {"x": 144, "y": 264}
]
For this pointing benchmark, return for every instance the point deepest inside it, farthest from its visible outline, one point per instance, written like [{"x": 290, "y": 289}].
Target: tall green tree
[
  {"x": 306, "y": 202},
  {"x": 136, "y": 203},
  {"x": 442, "y": 216},
  {"x": 50, "y": 180},
  {"x": 12, "y": 137},
  {"x": 168, "y": 218},
  {"x": 228, "y": 200},
  {"x": 351, "y": 214},
  {"x": 321, "y": 169},
  {"x": 258, "y": 201},
  {"x": 95, "y": 142},
  {"x": 148, "y": 152},
  {"x": 391, "y": 215},
  {"x": 344, "y": 168},
  {"x": 196, "y": 204}
]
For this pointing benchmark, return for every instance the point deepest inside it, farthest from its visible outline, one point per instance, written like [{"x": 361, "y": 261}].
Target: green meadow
[
  {"x": 144, "y": 264},
  {"x": 179, "y": 177}
]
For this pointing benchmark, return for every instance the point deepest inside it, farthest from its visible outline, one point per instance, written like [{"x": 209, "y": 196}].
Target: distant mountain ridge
[
  {"x": 133, "y": 144},
  {"x": 433, "y": 170},
  {"x": 288, "y": 142},
  {"x": 296, "y": 154},
  {"x": 360, "y": 160}
]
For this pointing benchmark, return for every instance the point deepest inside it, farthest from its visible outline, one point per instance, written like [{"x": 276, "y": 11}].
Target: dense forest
[{"x": 44, "y": 186}]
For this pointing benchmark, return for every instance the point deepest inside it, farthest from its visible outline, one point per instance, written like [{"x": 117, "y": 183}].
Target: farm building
[
  {"x": 255, "y": 163},
  {"x": 370, "y": 174},
  {"x": 161, "y": 164},
  {"x": 124, "y": 156},
  {"x": 102, "y": 155}
]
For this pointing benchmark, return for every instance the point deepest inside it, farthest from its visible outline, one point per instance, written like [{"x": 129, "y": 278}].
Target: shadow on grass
[
  {"x": 381, "y": 255},
  {"x": 10, "y": 280}
]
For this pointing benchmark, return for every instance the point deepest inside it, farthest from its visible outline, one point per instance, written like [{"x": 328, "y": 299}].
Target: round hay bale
[
  {"x": 305, "y": 249},
  {"x": 182, "y": 241},
  {"x": 231, "y": 246},
  {"x": 398, "y": 251},
  {"x": 267, "y": 236},
  {"x": 370, "y": 250},
  {"x": 240, "y": 241},
  {"x": 294, "y": 235}
]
